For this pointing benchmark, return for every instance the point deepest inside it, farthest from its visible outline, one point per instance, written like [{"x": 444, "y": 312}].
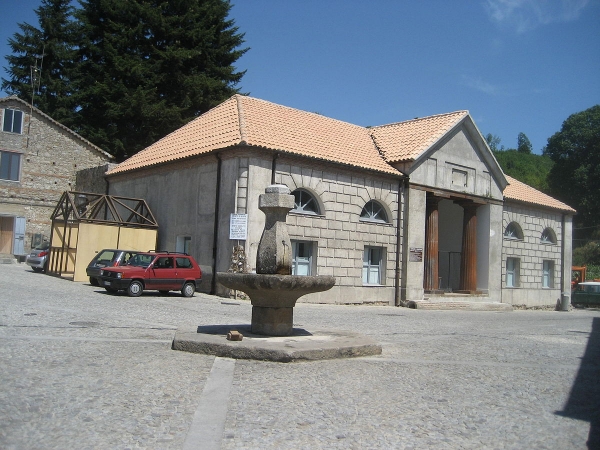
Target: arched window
[
  {"x": 374, "y": 212},
  {"x": 305, "y": 203},
  {"x": 548, "y": 236},
  {"x": 513, "y": 231}
]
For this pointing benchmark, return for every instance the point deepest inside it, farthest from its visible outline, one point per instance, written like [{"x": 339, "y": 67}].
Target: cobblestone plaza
[{"x": 84, "y": 369}]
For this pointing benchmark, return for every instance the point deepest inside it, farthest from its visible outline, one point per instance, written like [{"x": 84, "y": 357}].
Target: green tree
[
  {"x": 147, "y": 67},
  {"x": 528, "y": 168},
  {"x": 493, "y": 142},
  {"x": 523, "y": 143},
  {"x": 42, "y": 62},
  {"x": 575, "y": 177}
]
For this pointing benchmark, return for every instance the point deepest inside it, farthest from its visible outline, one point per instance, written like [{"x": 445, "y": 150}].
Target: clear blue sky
[{"x": 516, "y": 65}]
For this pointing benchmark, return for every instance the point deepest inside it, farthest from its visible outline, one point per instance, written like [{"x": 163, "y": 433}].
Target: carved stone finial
[{"x": 274, "y": 254}]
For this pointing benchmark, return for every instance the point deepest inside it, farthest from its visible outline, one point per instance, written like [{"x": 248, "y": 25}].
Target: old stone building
[
  {"x": 414, "y": 211},
  {"x": 39, "y": 160}
]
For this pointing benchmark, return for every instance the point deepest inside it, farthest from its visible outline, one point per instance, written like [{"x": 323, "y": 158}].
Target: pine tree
[
  {"x": 42, "y": 62},
  {"x": 147, "y": 67}
]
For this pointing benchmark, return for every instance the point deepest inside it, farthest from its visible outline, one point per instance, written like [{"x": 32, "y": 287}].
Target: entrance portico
[{"x": 466, "y": 251}]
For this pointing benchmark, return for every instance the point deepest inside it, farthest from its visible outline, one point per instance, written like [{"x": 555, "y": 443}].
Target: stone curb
[
  {"x": 300, "y": 346},
  {"x": 463, "y": 306}
]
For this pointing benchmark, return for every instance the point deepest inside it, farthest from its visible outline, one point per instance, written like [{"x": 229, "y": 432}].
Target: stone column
[
  {"x": 468, "y": 258},
  {"x": 431, "y": 277}
]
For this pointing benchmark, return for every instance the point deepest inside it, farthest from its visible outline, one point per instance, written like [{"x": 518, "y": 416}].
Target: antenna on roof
[
  {"x": 36, "y": 80},
  {"x": 36, "y": 73}
]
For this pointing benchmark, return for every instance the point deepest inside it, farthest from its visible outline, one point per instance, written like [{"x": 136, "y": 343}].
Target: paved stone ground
[{"x": 80, "y": 368}]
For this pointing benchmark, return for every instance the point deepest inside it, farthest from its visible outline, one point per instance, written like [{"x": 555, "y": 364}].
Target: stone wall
[
  {"x": 338, "y": 233},
  {"x": 531, "y": 252},
  {"x": 92, "y": 179},
  {"x": 50, "y": 157}
]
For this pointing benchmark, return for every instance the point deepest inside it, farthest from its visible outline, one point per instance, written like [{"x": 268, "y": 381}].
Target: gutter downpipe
[
  {"x": 274, "y": 167},
  {"x": 213, "y": 286},
  {"x": 401, "y": 186},
  {"x": 565, "y": 291}
]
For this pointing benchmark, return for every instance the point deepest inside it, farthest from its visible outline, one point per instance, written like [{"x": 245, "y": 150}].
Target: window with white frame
[
  {"x": 513, "y": 231},
  {"x": 13, "y": 121},
  {"x": 548, "y": 274},
  {"x": 305, "y": 203},
  {"x": 374, "y": 212},
  {"x": 9, "y": 165},
  {"x": 512, "y": 272},
  {"x": 548, "y": 236},
  {"x": 302, "y": 253},
  {"x": 183, "y": 244},
  {"x": 373, "y": 267}
]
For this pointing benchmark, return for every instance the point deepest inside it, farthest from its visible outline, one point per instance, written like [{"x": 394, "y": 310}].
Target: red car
[{"x": 159, "y": 271}]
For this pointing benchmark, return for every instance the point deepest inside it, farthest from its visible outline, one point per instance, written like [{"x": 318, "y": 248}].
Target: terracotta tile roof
[
  {"x": 404, "y": 141},
  {"x": 524, "y": 193},
  {"x": 243, "y": 120}
]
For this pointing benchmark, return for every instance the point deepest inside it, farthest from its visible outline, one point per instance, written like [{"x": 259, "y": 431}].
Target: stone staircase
[{"x": 459, "y": 305}]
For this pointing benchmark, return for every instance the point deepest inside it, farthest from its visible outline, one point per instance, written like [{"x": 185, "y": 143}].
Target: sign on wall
[
  {"x": 238, "y": 227},
  {"x": 416, "y": 254}
]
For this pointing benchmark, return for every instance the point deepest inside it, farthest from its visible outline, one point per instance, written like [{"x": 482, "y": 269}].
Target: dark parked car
[
  {"x": 107, "y": 258},
  {"x": 586, "y": 294},
  {"x": 160, "y": 271},
  {"x": 38, "y": 258}
]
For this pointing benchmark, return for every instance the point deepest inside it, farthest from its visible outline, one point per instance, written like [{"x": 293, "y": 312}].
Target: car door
[
  {"x": 185, "y": 270},
  {"x": 163, "y": 274}
]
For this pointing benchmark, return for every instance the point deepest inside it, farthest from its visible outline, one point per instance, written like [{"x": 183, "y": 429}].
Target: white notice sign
[{"x": 238, "y": 227}]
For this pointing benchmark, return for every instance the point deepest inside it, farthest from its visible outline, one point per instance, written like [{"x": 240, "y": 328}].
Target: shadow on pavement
[{"x": 584, "y": 400}]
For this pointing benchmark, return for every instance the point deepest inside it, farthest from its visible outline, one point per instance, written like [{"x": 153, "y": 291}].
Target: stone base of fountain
[
  {"x": 300, "y": 345},
  {"x": 273, "y": 297}
]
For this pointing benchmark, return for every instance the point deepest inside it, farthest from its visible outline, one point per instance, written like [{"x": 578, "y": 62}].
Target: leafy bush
[
  {"x": 593, "y": 272},
  {"x": 587, "y": 255}
]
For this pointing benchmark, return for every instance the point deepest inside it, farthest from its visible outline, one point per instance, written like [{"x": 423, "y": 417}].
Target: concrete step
[
  {"x": 468, "y": 306},
  {"x": 6, "y": 258}
]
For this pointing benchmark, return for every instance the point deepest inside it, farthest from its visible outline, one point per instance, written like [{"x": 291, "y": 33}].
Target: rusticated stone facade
[{"x": 533, "y": 240}]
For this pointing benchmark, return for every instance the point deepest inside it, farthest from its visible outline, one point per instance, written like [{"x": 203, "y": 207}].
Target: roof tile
[
  {"x": 522, "y": 192},
  {"x": 246, "y": 120},
  {"x": 404, "y": 141}
]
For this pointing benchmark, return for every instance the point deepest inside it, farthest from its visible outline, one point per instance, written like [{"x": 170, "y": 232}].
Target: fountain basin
[{"x": 273, "y": 297}]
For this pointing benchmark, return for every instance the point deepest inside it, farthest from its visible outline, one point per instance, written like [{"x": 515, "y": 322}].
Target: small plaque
[{"x": 416, "y": 254}]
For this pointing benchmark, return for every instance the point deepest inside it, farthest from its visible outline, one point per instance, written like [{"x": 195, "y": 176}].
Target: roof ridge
[
  {"x": 241, "y": 121},
  {"x": 463, "y": 112},
  {"x": 322, "y": 116}
]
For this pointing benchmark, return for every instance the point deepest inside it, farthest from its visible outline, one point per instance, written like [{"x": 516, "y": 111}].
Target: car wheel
[
  {"x": 188, "y": 289},
  {"x": 37, "y": 269},
  {"x": 94, "y": 282},
  {"x": 135, "y": 289},
  {"x": 111, "y": 290}
]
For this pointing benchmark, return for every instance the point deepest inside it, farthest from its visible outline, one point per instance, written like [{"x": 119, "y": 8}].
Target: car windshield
[{"x": 140, "y": 260}]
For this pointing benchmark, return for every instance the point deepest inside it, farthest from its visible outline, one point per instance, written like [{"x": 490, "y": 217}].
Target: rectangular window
[
  {"x": 373, "y": 265},
  {"x": 548, "y": 274},
  {"x": 183, "y": 244},
  {"x": 13, "y": 121},
  {"x": 512, "y": 272},
  {"x": 302, "y": 258},
  {"x": 9, "y": 166}
]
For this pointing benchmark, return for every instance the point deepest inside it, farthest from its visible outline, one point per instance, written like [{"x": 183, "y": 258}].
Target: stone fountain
[{"x": 273, "y": 290}]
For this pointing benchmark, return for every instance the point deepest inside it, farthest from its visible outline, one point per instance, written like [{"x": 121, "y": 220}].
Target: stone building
[
  {"x": 39, "y": 160},
  {"x": 411, "y": 211}
]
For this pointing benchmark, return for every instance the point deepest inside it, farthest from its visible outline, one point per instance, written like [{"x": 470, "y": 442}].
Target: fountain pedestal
[{"x": 272, "y": 290}]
